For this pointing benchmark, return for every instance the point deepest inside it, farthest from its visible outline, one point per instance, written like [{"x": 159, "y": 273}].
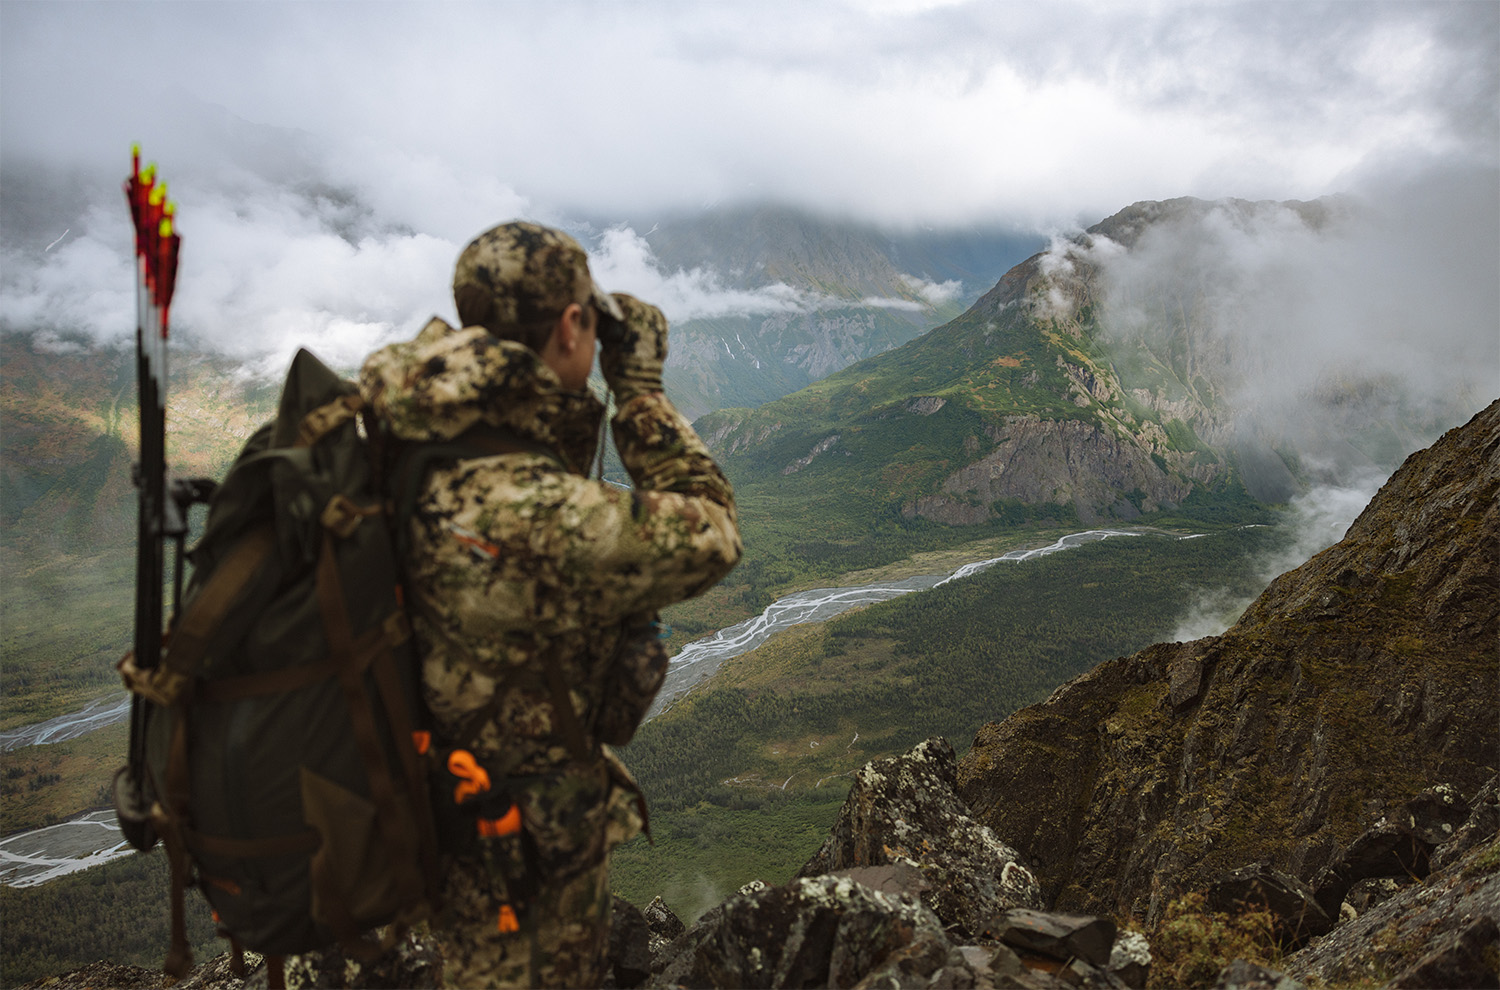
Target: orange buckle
[
  {"x": 422, "y": 739},
  {"x": 476, "y": 779},
  {"x": 507, "y": 824},
  {"x": 508, "y": 920}
]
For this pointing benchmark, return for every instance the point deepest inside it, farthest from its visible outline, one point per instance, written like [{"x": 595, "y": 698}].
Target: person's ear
[{"x": 569, "y": 328}]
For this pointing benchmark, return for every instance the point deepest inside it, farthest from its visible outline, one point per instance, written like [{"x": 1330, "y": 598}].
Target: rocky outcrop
[
  {"x": 1439, "y": 932},
  {"x": 1353, "y": 685},
  {"x": 908, "y": 891},
  {"x": 1064, "y": 462},
  {"x": 904, "y": 811}
]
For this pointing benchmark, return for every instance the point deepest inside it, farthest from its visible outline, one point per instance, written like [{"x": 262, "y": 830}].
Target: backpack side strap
[{"x": 171, "y": 680}]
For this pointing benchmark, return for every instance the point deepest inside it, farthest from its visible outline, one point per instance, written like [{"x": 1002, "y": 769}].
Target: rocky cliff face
[{"x": 1355, "y": 683}]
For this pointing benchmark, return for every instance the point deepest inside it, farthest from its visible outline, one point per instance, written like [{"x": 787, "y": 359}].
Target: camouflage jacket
[{"x": 519, "y": 560}]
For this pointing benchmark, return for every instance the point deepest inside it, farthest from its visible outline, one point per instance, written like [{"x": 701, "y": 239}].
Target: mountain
[
  {"x": 1085, "y": 384},
  {"x": 1359, "y": 688},
  {"x": 1315, "y": 790},
  {"x": 797, "y": 296}
]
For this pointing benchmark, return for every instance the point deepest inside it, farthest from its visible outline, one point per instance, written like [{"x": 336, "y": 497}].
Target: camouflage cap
[{"x": 524, "y": 274}]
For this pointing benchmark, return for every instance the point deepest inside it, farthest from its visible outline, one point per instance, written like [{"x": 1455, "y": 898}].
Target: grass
[
  {"x": 68, "y": 618},
  {"x": 43, "y": 785}
]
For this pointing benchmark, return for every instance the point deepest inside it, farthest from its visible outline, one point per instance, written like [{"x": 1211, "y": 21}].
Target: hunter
[{"x": 533, "y": 588}]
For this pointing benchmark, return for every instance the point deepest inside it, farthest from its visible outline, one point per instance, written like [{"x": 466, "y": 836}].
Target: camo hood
[{"x": 444, "y": 381}]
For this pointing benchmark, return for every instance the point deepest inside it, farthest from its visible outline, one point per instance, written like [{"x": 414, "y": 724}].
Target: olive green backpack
[{"x": 285, "y": 718}]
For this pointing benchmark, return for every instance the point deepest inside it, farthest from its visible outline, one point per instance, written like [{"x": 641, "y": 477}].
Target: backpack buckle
[{"x": 342, "y": 516}]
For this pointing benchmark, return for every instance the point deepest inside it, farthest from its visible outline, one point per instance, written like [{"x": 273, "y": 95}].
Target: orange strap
[
  {"x": 507, "y": 824},
  {"x": 476, "y": 779}
]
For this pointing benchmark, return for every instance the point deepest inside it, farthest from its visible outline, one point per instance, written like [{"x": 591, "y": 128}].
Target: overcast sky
[{"x": 442, "y": 118}]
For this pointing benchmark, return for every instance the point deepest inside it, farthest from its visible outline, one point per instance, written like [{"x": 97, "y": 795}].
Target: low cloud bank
[
  {"x": 1345, "y": 333},
  {"x": 622, "y": 261},
  {"x": 1315, "y": 521},
  {"x": 274, "y": 262}
]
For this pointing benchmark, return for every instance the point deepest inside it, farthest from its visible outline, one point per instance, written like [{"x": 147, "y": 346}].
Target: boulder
[
  {"x": 1130, "y": 959},
  {"x": 813, "y": 932},
  {"x": 1064, "y": 937},
  {"x": 1242, "y": 975},
  {"x": 1481, "y": 826},
  {"x": 629, "y": 963},
  {"x": 661, "y": 924},
  {"x": 1295, "y": 910},
  {"x": 905, "y": 810},
  {"x": 1400, "y": 845}
]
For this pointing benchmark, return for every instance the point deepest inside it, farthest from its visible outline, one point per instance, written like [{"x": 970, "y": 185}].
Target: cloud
[
  {"x": 936, "y": 293},
  {"x": 1315, "y": 521},
  {"x": 331, "y": 159},
  {"x": 1384, "y": 302},
  {"x": 622, "y": 261},
  {"x": 895, "y": 112},
  {"x": 265, "y": 268}
]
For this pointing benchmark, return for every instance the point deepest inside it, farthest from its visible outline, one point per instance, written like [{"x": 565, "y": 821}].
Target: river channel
[{"x": 31, "y": 858}]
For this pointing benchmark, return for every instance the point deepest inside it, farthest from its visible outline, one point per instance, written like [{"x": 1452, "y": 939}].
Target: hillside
[
  {"x": 1353, "y": 685},
  {"x": 67, "y": 504},
  {"x": 1079, "y": 387}
]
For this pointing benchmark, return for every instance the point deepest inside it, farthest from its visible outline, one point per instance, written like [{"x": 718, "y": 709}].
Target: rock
[
  {"x": 992, "y": 961},
  {"x": 414, "y": 961},
  {"x": 1293, "y": 907},
  {"x": 218, "y": 973},
  {"x": 905, "y": 810},
  {"x": 1435, "y": 813},
  {"x": 1388, "y": 849},
  {"x": 1398, "y": 935},
  {"x": 629, "y": 945},
  {"x": 1372, "y": 891},
  {"x": 662, "y": 925},
  {"x": 1185, "y": 678},
  {"x": 100, "y": 974},
  {"x": 924, "y": 963},
  {"x": 1130, "y": 959},
  {"x": 1242, "y": 975},
  {"x": 1059, "y": 936},
  {"x": 1467, "y": 958},
  {"x": 1482, "y": 825},
  {"x": 813, "y": 932}
]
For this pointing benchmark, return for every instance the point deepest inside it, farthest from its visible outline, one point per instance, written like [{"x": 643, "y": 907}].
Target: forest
[
  {"x": 745, "y": 778},
  {"x": 734, "y": 772}
]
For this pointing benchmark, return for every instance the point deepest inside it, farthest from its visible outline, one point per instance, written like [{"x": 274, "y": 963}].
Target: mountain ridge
[
  {"x": 1059, "y": 390},
  {"x": 1360, "y": 674}
]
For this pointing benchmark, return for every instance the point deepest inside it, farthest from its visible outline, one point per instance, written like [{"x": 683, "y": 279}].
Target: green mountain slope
[{"x": 1045, "y": 400}]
